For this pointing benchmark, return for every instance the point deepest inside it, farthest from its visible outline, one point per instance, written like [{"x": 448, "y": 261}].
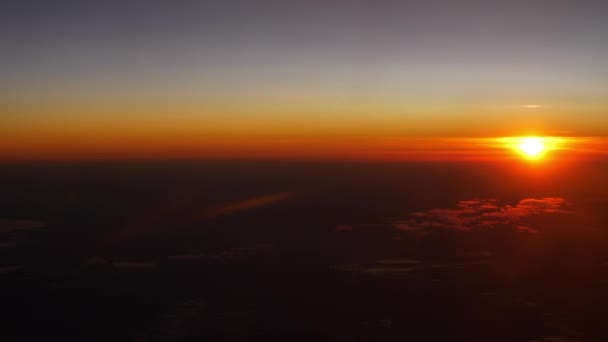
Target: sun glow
[{"x": 532, "y": 147}]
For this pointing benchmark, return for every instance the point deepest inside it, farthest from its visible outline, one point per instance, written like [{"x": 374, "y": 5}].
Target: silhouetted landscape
[{"x": 190, "y": 251}]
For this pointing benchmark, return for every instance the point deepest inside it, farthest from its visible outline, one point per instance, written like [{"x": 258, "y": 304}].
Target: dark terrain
[{"x": 290, "y": 251}]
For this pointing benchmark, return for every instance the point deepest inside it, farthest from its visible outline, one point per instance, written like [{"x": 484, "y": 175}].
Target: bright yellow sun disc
[{"x": 532, "y": 147}]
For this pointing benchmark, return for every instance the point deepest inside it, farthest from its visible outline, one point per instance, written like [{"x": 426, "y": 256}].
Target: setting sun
[{"x": 532, "y": 147}]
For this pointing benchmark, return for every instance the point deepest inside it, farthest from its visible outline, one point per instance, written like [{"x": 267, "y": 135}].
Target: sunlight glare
[{"x": 532, "y": 147}]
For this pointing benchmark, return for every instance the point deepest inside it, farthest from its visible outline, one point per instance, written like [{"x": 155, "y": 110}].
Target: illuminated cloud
[{"x": 484, "y": 213}]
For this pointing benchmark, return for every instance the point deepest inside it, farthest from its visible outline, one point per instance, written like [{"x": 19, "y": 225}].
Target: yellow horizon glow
[{"x": 180, "y": 142}]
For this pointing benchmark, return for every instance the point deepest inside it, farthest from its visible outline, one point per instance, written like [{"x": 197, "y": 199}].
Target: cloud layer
[{"x": 484, "y": 213}]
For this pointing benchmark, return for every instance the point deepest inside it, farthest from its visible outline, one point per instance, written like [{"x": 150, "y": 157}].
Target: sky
[{"x": 238, "y": 79}]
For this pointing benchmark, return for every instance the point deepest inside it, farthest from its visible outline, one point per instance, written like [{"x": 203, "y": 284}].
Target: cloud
[
  {"x": 378, "y": 323},
  {"x": 9, "y": 226},
  {"x": 179, "y": 213},
  {"x": 484, "y": 213},
  {"x": 237, "y": 206},
  {"x": 373, "y": 270},
  {"x": 187, "y": 257},
  {"x": 134, "y": 266},
  {"x": 401, "y": 261},
  {"x": 344, "y": 228},
  {"x": 10, "y": 269},
  {"x": 555, "y": 339},
  {"x": 232, "y": 254},
  {"x": 14, "y": 232}
]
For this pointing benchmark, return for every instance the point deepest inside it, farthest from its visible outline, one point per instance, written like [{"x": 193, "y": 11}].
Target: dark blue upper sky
[{"x": 471, "y": 56}]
